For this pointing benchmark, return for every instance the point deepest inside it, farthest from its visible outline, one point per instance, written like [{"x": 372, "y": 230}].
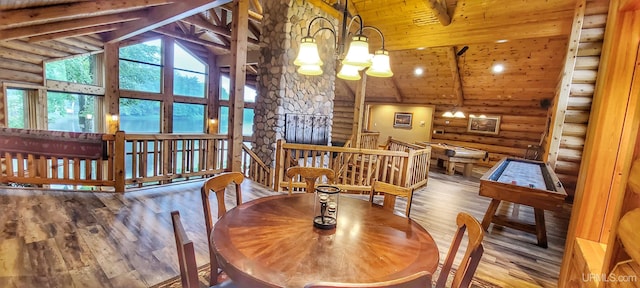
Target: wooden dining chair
[
  {"x": 218, "y": 184},
  {"x": 418, "y": 280},
  {"x": 390, "y": 193},
  {"x": 463, "y": 276},
  {"x": 187, "y": 256},
  {"x": 310, "y": 176}
]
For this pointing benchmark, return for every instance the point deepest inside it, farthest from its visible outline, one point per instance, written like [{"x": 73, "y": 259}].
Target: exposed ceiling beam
[
  {"x": 169, "y": 32},
  {"x": 76, "y": 32},
  {"x": 202, "y": 23},
  {"x": 225, "y": 60},
  {"x": 42, "y": 29},
  {"x": 257, "y": 6},
  {"x": 455, "y": 73},
  {"x": 394, "y": 88},
  {"x": 254, "y": 16},
  {"x": 161, "y": 15},
  {"x": 61, "y": 12},
  {"x": 326, "y": 8},
  {"x": 439, "y": 9}
]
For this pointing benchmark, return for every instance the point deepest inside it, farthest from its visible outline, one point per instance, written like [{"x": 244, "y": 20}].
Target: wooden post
[
  {"x": 408, "y": 168},
  {"x": 166, "y": 125},
  {"x": 213, "y": 97},
  {"x": 279, "y": 170},
  {"x": 238, "y": 78},
  {"x": 358, "y": 110},
  {"x": 112, "y": 88},
  {"x": 118, "y": 162}
]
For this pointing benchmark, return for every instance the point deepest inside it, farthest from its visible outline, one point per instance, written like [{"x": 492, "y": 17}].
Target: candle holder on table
[{"x": 326, "y": 207}]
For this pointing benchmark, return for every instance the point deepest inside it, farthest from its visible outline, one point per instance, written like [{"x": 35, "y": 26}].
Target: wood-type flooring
[{"x": 52, "y": 238}]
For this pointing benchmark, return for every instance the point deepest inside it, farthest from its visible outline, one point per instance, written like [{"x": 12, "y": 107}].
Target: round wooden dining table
[{"x": 271, "y": 242}]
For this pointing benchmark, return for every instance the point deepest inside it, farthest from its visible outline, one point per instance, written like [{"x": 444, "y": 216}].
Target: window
[
  {"x": 225, "y": 87},
  {"x": 17, "y": 108},
  {"x": 248, "y": 113},
  {"x": 71, "y": 112},
  {"x": 139, "y": 116},
  {"x": 189, "y": 74},
  {"x": 223, "y": 126},
  {"x": 188, "y": 118},
  {"x": 141, "y": 66},
  {"x": 80, "y": 69},
  {"x": 247, "y": 122}
]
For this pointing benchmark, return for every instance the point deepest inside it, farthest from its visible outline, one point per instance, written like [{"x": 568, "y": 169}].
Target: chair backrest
[
  {"x": 310, "y": 176},
  {"x": 419, "y": 280},
  {"x": 218, "y": 184},
  {"x": 390, "y": 193},
  {"x": 471, "y": 258},
  {"x": 186, "y": 254}
]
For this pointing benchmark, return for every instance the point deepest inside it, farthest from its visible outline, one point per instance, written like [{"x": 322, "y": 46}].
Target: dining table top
[{"x": 272, "y": 242}]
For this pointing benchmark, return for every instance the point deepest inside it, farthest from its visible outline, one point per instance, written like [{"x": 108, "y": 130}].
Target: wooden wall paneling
[
  {"x": 562, "y": 96},
  {"x": 238, "y": 73}
]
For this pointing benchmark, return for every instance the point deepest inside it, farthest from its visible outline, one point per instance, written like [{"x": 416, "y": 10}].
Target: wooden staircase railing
[{"x": 254, "y": 169}]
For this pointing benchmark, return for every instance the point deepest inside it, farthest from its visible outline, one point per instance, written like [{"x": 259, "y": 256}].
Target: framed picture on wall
[
  {"x": 402, "y": 120},
  {"x": 484, "y": 124}
]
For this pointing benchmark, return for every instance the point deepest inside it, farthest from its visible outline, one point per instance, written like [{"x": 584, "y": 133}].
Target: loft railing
[
  {"x": 355, "y": 169},
  {"x": 128, "y": 160}
]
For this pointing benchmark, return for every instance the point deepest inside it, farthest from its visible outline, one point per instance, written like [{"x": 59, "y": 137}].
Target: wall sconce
[
  {"x": 213, "y": 126},
  {"x": 357, "y": 57},
  {"x": 455, "y": 114},
  {"x": 114, "y": 118}
]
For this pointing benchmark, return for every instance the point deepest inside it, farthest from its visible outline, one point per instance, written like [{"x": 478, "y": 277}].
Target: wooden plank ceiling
[{"x": 527, "y": 36}]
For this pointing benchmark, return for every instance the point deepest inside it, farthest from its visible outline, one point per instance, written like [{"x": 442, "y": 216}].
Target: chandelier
[{"x": 357, "y": 57}]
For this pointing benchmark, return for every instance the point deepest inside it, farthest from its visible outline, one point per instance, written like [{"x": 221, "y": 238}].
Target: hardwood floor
[{"x": 54, "y": 238}]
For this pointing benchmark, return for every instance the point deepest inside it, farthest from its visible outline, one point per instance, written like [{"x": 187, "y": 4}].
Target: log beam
[
  {"x": 69, "y": 11},
  {"x": 455, "y": 74},
  {"x": 162, "y": 15},
  {"x": 358, "y": 110},
  {"x": 439, "y": 10},
  {"x": 238, "y": 77}
]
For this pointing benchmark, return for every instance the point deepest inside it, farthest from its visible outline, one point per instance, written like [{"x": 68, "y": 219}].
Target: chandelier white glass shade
[
  {"x": 357, "y": 57},
  {"x": 348, "y": 72},
  {"x": 308, "y": 54},
  {"x": 380, "y": 66},
  {"x": 358, "y": 53}
]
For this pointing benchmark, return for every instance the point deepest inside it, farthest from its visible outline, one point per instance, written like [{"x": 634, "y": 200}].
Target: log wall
[
  {"x": 520, "y": 128},
  {"x": 583, "y": 84},
  {"x": 22, "y": 62},
  {"x": 342, "y": 121}
]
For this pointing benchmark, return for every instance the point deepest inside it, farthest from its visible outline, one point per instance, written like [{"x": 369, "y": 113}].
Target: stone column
[{"x": 281, "y": 89}]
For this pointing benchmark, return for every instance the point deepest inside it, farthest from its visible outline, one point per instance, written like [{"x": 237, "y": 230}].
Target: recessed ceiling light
[
  {"x": 498, "y": 68},
  {"x": 418, "y": 71},
  {"x": 502, "y": 41},
  {"x": 420, "y": 48}
]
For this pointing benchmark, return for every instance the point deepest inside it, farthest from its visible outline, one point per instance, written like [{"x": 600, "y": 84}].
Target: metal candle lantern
[{"x": 326, "y": 207}]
